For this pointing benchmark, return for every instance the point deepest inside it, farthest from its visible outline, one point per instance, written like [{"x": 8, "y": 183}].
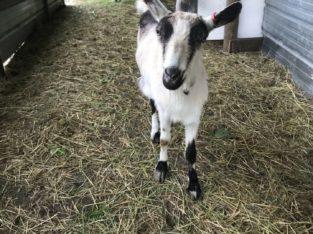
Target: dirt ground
[{"x": 76, "y": 157}]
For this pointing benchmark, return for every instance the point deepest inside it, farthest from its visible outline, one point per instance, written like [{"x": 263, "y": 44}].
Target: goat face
[{"x": 181, "y": 35}]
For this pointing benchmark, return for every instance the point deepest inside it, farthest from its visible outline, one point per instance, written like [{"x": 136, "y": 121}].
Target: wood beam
[{"x": 230, "y": 31}]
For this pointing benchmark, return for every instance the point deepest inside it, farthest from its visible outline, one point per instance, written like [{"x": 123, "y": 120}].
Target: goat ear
[
  {"x": 227, "y": 15},
  {"x": 156, "y": 8}
]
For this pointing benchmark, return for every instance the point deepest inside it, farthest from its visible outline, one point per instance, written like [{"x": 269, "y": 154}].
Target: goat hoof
[
  {"x": 156, "y": 138},
  {"x": 194, "y": 191},
  {"x": 194, "y": 186},
  {"x": 161, "y": 171}
]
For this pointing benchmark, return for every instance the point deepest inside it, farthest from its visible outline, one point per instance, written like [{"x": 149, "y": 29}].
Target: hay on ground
[{"x": 75, "y": 149}]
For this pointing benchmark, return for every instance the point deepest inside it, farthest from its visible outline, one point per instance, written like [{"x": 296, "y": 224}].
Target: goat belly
[{"x": 185, "y": 115}]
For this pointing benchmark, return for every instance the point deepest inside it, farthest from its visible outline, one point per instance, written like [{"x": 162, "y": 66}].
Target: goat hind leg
[{"x": 155, "y": 133}]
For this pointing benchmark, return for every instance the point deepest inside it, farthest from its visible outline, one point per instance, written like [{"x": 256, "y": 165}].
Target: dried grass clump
[{"x": 75, "y": 149}]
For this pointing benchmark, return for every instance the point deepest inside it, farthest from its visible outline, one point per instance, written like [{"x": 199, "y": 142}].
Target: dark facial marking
[
  {"x": 191, "y": 152},
  {"x": 198, "y": 34},
  {"x": 164, "y": 31}
]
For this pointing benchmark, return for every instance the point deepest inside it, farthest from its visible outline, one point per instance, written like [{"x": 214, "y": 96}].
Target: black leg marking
[
  {"x": 156, "y": 138},
  {"x": 161, "y": 171},
  {"x": 191, "y": 153},
  {"x": 153, "y": 109},
  {"x": 194, "y": 186}
]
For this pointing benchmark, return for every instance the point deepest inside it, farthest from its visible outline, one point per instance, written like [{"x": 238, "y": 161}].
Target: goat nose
[{"x": 172, "y": 72}]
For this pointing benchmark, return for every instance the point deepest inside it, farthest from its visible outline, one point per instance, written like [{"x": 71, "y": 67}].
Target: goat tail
[{"x": 141, "y": 7}]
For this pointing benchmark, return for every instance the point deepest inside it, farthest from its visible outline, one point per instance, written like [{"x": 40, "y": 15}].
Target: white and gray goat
[{"x": 173, "y": 76}]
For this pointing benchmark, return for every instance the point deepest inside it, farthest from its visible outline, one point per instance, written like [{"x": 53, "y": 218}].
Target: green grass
[{"x": 57, "y": 152}]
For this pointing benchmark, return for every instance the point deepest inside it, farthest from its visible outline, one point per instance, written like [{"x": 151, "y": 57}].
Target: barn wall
[
  {"x": 252, "y": 11},
  {"x": 288, "y": 37},
  {"x": 18, "y": 19}
]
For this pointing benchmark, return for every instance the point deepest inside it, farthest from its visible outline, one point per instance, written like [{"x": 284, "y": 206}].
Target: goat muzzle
[{"x": 173, "y": 78}]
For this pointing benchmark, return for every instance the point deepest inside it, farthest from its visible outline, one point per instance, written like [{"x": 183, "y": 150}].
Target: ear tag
[{"x": 213, "y": 17}]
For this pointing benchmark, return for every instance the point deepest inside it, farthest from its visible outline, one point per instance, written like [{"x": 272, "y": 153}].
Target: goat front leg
[
  {"x": 155, "y": 133},
  {"x": 191, "y": 153},
  {"x": 161, "y": 168}
]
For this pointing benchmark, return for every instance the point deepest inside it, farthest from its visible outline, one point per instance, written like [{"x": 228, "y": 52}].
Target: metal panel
[
  {"x": 292, "y": 32},
  {"x": 16, "y": 24},
  {"x": 4, "y": 4},
  {"x": 294, "y": 9},
  {"x": 18, "y": 19},
  {"x": 288, "y": 32},
  {"x": 302, "y": 72}
]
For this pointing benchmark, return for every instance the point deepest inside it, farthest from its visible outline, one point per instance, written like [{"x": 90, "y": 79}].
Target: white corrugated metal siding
[{"x": 288, "y": 37}]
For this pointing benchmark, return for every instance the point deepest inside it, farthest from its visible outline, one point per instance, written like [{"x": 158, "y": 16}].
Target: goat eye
[{"x": 164, "y": 30}]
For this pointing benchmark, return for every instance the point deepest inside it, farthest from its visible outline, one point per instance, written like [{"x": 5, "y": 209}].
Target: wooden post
[
  {"x": 187, "y": 5},
  {"x": 230, "y": 32}
]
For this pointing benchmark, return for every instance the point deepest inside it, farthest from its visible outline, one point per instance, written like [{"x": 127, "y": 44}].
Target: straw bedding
[{"x": 76, "y": 154}]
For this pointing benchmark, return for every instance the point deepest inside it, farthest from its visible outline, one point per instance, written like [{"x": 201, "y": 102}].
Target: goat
[{"x": 173, "y": 76}]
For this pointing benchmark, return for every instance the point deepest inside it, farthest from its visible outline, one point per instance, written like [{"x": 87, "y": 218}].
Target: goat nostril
[{"x": 172, "y": 72}]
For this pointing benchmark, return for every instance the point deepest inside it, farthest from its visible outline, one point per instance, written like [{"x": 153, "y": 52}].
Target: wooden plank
[
  {"x": 4, "y": 4},
  {"x": 230, "y": 31},
  {"x": 245, "y": 44}
]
